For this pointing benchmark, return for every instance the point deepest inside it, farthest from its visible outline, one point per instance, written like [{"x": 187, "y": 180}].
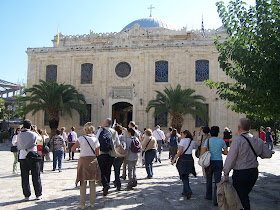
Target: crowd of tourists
[{"x": 115, "y": 146}]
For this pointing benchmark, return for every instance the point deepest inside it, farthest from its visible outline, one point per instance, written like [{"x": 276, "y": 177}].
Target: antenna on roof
[{"x": 151, "y": 8}]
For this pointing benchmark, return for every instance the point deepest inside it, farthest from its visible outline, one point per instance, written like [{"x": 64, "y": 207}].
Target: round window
[{"x": 123, "y": 69}]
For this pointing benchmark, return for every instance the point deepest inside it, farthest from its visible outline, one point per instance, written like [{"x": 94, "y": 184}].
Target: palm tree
[
  {"x": 177, "y": 103},
  {"x": 53, "y": 98}
]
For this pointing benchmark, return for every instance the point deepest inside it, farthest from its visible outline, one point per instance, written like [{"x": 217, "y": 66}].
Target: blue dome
[{"x": 151, "y": 23}]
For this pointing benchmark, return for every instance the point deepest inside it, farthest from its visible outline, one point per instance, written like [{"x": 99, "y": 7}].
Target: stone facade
[{"x": 140, "y": 48}]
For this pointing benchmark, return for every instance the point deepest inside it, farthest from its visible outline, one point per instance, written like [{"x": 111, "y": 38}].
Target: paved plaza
[{"x": 161, "y": 192}]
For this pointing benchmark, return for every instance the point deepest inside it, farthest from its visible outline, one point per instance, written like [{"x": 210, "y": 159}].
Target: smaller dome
[{"x": 151, "y": 23}]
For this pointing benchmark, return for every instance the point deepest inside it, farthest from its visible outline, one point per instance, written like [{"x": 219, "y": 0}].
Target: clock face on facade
[{"x": 123, "y": 69}]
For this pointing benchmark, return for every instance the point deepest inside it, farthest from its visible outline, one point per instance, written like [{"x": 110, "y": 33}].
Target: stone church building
[{"x": 118, "y": 73}]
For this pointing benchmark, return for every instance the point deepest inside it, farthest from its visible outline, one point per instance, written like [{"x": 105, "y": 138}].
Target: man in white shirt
[
  {"x": 26, "y": 142},
  {"x": 159, "y": 136},
  {"x": 71, "y": 141}
]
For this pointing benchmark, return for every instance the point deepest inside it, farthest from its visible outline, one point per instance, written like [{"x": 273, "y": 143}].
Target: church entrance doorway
[{"x": 122, "y": 112}]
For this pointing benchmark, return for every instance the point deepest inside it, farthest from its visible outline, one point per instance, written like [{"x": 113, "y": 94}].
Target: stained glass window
[
  {"x": 51, "y": 73},
  {"x": 86, "y": 73},
  {"x": 200, "y": 122},
  {"x": 86, "y": 118},
  {"x": 123, "y": 69},
  {"x": 201, "y": 70},
  {"x": 161, "y": 119},
  {"x": 161, "y": 71}
]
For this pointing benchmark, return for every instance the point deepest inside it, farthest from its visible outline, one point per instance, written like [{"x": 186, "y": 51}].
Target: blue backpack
[
  {"x": 173, "y": 141},
  {"x": 105, "y": 140}
]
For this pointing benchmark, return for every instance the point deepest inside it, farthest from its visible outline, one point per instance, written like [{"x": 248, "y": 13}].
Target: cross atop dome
[{"x": 151, "y": 8}]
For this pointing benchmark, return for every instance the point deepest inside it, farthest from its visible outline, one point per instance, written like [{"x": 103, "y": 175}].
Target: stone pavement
[{"x": 162, "y": 192}]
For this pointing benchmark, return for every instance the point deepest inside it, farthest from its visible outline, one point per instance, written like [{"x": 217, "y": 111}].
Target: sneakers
[
  {"x": 59, "y": 170},
  {"x": 129, "y": 187},
  {"x": 39, "y": 197},
  {"x": 26, "y": 198}
]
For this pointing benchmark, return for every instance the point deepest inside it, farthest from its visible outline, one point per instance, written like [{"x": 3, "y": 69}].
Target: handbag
[
  {"x": 198, "y": 150},
  {"x": 45, "y": 148},
  {"x": 14, "y": 149},
  {"x": 33, "y": 156},
  {"x": 204, "y": 160}
]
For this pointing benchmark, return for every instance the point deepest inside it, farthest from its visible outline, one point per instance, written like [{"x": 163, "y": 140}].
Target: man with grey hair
[
  {"x": 242, "y": 158},
  {"x": 108, "y": 138}
]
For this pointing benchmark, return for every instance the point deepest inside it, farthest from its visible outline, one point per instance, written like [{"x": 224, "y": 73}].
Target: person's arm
[
  {"x": 231, "y": 159},
  {"x": 178, "y": 154},
  {"x": 204, "y": 149},
  {"x": 75, "y": 146},
  {"x": 271, "y": 138},
  {"x": 97, "y": 151},
  {"x": 225, "y": 152},
  {"x": 64, "y": 146}
]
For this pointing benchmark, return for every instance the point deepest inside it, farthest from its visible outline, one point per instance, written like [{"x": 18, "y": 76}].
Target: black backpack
[{"x": 105, "y": 140}]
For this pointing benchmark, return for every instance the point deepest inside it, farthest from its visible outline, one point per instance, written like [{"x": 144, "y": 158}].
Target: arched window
[
  {"x": 161, "y": 71},
  {"x": 201, "y": 70},
  {"x": 86, "y": 118},
  {"x": 51, "y": 73},
  {"x": 86, "y": 73},
  {"x": 161, "y": 119},
  {"x": 200, "y": 122}
]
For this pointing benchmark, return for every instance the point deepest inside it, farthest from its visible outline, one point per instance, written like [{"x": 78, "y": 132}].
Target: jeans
[
  {"x": 271, "y": 145},
  {"x": 186, "y": 184},
  {"x": 117, "y": 168},
  {"x": 243, "y": 181},
  {"x": 105, "y": 162},
  {"x": 215, "y": 168},
  {"x": 131, "y": 164},
  {"x": 173, "y": 151},
  {"x": 57, "y": 156},
  {"x": 36, "y": 180},
  {"x": 159, "y": 150},
  {"x": 149, "y": 157}
]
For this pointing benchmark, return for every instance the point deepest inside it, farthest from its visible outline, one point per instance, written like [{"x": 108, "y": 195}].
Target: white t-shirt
[
  {"x": 158, "y": 134},
  {"x": 85, "y": 148},
  {"x": 185, "y": 143},
  {"x": 74, "y": 136},
  {"x": 14, "y": 140}
]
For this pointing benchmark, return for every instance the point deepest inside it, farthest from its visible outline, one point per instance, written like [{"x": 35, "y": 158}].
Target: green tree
[
  {"x": 250, "y": 55},
  {"x": 2, "y": 109},
  {"x": 177, "y": 103},
  {"x": 53, "y": 98}
]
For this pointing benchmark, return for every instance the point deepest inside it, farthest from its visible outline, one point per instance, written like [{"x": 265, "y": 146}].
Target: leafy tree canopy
[{"x": 251, "y": 56}]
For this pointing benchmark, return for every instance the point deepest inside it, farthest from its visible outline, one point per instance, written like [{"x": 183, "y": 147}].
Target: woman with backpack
[
  {"x": 133, "y": 146},
  {"x": 173, "y": 143},
  {"x": 88, "y": 168},
  {"x": 185, "y": 164},
  {"x": 150, "y": 146}
]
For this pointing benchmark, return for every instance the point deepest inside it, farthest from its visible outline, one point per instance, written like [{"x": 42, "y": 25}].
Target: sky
[{"x": 33, "y": 23}]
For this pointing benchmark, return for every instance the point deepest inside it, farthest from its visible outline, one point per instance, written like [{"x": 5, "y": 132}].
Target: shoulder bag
[
  {"x": 198, "y": 150},
  {"x": 204, "y": 160}
]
